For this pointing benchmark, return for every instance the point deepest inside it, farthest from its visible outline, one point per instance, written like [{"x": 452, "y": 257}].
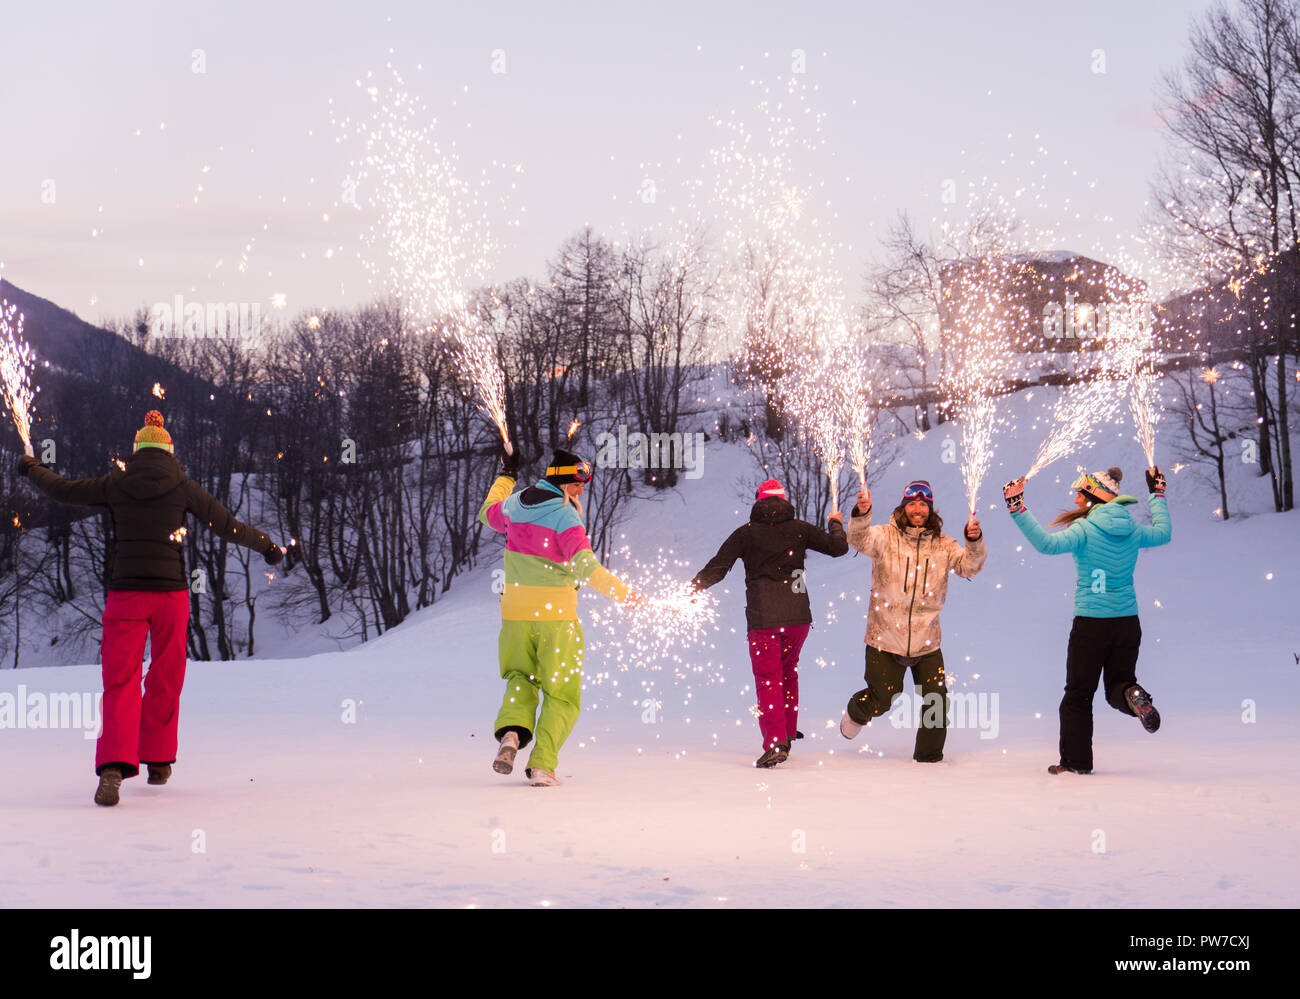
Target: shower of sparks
[
  {"x": 784, "y": 303},
  {"x": 675, "y": 618},
  {"x": 1137, "y": 357},
  {"x": 985, "y": 266},
  {"x": 16, "y": 360},
  {"x": 859, "y": 385},
  {"x": 430, "y": 242},
  {"x": 1079, "y": 410}
]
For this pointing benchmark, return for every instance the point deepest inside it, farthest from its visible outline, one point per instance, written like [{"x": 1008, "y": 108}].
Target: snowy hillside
[{"x": 280, "y": 799}]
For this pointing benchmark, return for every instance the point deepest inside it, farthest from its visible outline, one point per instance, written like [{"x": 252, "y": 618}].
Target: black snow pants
[{"x": 1101, "y": 648}]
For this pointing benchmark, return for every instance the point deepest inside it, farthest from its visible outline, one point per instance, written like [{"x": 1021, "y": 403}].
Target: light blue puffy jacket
[{"x": 1105, "y": 547}]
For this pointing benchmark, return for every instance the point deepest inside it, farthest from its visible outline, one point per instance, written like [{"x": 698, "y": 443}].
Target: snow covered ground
[{"x": 278, "y": 800}]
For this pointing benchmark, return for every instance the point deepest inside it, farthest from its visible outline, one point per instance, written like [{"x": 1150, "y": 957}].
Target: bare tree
[{"x": 1231, "y": 112}]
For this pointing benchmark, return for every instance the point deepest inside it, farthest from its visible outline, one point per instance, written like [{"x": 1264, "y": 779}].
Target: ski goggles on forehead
[
  {"x": 581, "y": 472},
  {"x": 919, "y": 490}
]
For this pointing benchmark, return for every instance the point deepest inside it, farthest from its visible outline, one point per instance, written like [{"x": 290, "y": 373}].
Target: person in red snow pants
[
  {"x": 142, "y": 729},
  {"x": 774, "y": 655},
  {"x": 148, "y": 596},
  {"x": 777, "y": 612}
]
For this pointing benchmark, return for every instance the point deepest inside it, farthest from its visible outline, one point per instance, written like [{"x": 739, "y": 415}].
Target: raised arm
[
  {"x": 967, "y": 561},
  {"x": 1070, "y": 540},
  {"x": 74, "y": 492},
  {"x": 1162, "y": 528},
  {"x": 831, "y": 542},
  {"x": 861, "y": 535},
  {"x": 490, "y": 512}
]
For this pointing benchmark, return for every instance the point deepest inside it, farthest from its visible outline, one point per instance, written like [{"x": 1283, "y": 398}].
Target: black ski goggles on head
[{"x": 581, "y": 472}]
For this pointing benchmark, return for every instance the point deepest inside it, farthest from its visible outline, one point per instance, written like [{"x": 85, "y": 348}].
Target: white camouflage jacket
[{"x": 909, "y": 581}]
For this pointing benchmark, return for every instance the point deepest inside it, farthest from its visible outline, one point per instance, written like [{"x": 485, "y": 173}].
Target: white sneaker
[
  {"x": 505, "y": 761},
  {"x": 848, "y": 727},
  {"x": 543, "y": 778}
]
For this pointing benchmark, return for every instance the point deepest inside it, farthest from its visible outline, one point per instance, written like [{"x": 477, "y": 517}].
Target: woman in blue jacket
[{"x": 1104, "y": 541}]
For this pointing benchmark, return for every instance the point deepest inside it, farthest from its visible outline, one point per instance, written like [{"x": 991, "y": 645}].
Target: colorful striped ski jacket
[{"x": 548, "y": 553}]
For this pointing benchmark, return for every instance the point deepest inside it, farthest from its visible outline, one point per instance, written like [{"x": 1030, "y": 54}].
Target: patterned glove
[
  {"x": 509, "y": 462},
  {"x": 1014, "y": 492},
  {"x": 1155, "y": 481}
]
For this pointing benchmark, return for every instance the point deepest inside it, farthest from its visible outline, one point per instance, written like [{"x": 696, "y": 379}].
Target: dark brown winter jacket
[
  {"x": 772, "y": 546},
  {"x": 148, "y": 502}
]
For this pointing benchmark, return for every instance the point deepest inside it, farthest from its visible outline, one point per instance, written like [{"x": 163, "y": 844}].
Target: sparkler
[
  {"x": 431, "y": 242},
  {"x": 16, "y": 358}
]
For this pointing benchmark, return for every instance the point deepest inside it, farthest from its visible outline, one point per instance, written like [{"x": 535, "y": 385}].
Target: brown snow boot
[
  {"x": 110, "y": 786},
  {"x": 505, "y": 760},
  {"x": 159, "y": 772}
]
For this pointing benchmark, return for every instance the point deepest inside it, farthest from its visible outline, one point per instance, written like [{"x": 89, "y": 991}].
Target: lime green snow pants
[{"x": 545, "y": 657}]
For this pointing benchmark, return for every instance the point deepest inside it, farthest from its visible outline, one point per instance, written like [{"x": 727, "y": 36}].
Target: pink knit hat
[{"x": 770, "y": 488}]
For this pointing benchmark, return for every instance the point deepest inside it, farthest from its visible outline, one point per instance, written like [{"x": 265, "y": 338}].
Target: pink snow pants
[
  {"x": 774, "y": 654},
  {"x": 140, "y": 729}
]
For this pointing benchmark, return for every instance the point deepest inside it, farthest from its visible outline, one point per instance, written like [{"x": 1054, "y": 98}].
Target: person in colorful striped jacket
[{"x": 548, "y": 556}]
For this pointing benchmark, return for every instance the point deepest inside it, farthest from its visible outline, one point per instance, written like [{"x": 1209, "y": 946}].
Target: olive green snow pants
[
  {"x": 541, "y": 657},
  {"x": 884, "y": 674}
]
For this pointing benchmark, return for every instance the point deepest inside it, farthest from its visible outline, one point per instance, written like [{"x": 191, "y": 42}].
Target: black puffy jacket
[
  {"x": 149, "y": 501},
  {"x": 772, "y": 546}
]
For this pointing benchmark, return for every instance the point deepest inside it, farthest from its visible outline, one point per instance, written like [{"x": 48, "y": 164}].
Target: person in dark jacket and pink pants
[
  {"x": 148, "y": 597},
  {"x": 777, "y": 612}
]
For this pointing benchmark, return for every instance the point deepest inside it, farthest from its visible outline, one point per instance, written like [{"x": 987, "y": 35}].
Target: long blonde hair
[{"x": 1068, "y": 517}]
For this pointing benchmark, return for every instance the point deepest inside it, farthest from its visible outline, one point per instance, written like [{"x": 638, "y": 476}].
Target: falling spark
[
  {"x": 159, "y": 391},
  {"x": 573, "y": 426}
]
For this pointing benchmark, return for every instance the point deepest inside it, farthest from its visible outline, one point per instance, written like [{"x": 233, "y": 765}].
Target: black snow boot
[
  {"x": 789, "y": 742},
  {"x": 777, "y": 754},
  {"x": 1061, "y": 768},
  {"x": 1140, "y": 703}
]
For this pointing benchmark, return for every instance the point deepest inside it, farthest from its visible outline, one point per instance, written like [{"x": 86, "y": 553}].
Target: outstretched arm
[
  {"x": 221, "y": 521},
  {"x": 718, "y": 566},
  {"x": 75, "y": 492},
  {"x": 588, "y": 568}
]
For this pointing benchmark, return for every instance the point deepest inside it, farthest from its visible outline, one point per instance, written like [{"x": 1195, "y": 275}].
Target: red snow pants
[
  {"x": 774, "y": 654},
  {"x": 142, "y": 730}
]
